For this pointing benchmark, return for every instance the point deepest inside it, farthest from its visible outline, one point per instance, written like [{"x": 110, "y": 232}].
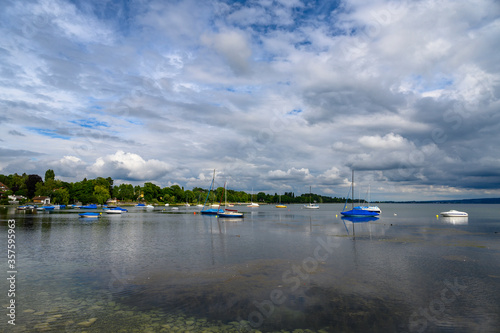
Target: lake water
[{"x": 294, "y": 269}]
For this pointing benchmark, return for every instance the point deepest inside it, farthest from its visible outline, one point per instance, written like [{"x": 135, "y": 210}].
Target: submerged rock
[{"x": 87, "y": 323}]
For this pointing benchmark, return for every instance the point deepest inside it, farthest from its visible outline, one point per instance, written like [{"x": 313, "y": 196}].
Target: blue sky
[{"x": 275, "y": 95}]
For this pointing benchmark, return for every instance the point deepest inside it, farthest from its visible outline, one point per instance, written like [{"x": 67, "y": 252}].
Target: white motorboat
[
  {"x": 454, "y": 213},
  {"x": 114, "y": 211}
]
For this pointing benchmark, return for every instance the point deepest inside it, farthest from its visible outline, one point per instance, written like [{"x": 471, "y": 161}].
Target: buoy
[
  {"x": 194, "y": 213},
  {"x": 437, "y": 216}
]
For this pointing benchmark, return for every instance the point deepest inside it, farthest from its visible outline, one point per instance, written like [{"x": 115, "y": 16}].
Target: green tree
[
  {"x": 83, "y": 191},
  {"x": 124, "y": 192},
  {"x": 178, "y": 193},
  {"x": 61, "y": 196},
  {"x": 49, "y": 174},
  {"x": 101, "y": 194},
  {"x": 137, "y": 192},
  {"x": 261, "y": 196},
  {"x": 151, "y": 192}
]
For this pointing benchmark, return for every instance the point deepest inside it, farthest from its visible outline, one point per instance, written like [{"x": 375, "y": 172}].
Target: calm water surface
[{"x": 276, "y": 269}]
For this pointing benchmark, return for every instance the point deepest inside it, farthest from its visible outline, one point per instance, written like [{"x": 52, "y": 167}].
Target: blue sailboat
[
  {"x": 356, "y": 211},
  {"x": 211, "y": 211}
]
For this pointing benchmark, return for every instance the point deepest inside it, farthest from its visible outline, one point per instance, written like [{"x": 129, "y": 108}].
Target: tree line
[{"x": 100, "y": 189}]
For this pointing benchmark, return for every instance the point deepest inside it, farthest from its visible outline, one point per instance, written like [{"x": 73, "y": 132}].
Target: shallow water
[{"x": 276, "y": 269}]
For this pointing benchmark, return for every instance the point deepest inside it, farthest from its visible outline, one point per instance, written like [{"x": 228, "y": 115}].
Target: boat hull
[
  {"x": 231, "y": 214},
  {"x": 90, "y": 214},
  {"x": 359, "y": 213},
  {"x": 212, "y": 211}
]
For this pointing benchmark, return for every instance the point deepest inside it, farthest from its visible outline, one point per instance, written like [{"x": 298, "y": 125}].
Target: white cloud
[
  {"x": 129, "y": 166},
  {"x": 297, "y": 175},
  {"x": 389, "y": 141}
]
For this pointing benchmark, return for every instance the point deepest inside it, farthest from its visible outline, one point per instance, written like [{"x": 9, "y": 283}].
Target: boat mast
[
  {"x": 352, "y": 189},
  {"x": 209, "y": 190}
]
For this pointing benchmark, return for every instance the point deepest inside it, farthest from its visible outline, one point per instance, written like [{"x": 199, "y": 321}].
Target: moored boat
[
  {"x": 454, "y": 213},
  {"x": 90, "y": 214},
  {"x": 357, "y": 211},
  {"x": 91, "y": 206},
  {"x": 211, "y": 211},
  {"x": 229, "y": 212},
  {"x": 311, "y": 205}
]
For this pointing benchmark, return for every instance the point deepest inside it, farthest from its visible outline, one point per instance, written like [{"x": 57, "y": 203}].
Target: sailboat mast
[{"x": 352, "y": 189}]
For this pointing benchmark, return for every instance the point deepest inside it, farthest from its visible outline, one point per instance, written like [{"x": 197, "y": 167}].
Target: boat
[
  {"x": 91, "y": 206},
  {"x": 311, "y": 205},
  {"x": 150, "y": 207},
  {"x": 229, "y": 212},
  {"x": 90, "y": 214},
  {"x": 279, "y": 205},
  {"x": 211, "y": 211},
  {"x": 253, "y": 204},
  {"x": 356, "y": 212},
  {"x": 140, "y": 205},
  {"x": 369, "y": 208},
  {"x": 114, "y": 211},
  {"x": 454, "y": 213}
]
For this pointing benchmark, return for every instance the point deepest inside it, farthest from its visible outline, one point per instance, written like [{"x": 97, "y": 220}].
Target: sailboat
[
  {"x": 369, "y": 207},
  {"x": 229, "y": 212},
  {"x": 210, "y": 211},
  {"x": 199, "y": 204},
  {"x": 311, "y": 205},
  {"x": 253, "y": 204},
  {"x": 356, "y": 212},
  {"x": 280, "y": 205}
]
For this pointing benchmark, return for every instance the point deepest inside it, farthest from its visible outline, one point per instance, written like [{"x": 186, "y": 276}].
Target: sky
[{"x": 276, "y": 96}]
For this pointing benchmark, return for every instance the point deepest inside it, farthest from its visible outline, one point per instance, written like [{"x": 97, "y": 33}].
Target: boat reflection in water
[
  {"x": 359, "y": 219},
  {"x": 455, "y": 219}
]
